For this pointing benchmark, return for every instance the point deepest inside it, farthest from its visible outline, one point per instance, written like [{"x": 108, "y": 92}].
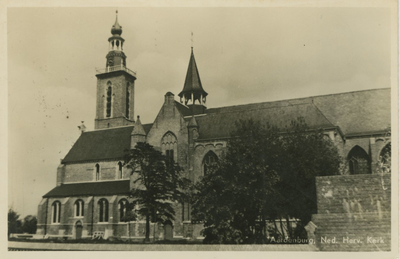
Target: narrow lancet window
[
  {"x": 127, "y": 101},
  {"x": 109, "y": 99}
]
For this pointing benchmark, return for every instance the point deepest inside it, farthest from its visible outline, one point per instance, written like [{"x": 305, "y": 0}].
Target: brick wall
[
  {"x": 353, "y": 213},
  {"x": 84, "y": 172},
  {"x": 119, "y": 82}
]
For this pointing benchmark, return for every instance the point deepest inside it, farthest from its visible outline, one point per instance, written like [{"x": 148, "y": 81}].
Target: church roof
[
  {"x": 90, "y": 189},
  {"x": 102, "y": 144},
  {"x": 354, "y": 112},
  {"x": 192, "y": 80},
  {"x": 220, "y": 122}
]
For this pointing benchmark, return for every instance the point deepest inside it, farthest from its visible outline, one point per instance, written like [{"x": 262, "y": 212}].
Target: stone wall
[{"x": 353, "y": 213}]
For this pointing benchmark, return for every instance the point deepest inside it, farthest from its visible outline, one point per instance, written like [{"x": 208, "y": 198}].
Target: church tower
[
  {"x": 193, "y": 93},
  {"x": 115, "y": 85}
]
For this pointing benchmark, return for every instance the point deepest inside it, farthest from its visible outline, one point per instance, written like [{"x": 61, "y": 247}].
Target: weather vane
[{"x": 192, "y": 39}]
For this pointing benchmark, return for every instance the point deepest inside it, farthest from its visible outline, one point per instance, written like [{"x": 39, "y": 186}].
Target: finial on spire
[
  {"x": 192, "y": 40},
  {"x": 116, "y": 28}
]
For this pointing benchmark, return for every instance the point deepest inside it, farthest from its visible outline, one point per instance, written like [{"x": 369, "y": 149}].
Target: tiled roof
[
  {"x": 220, "y": 123},
  {"x": 90, "y": 189},
  {"x": 353, "y": 112},
  {"x": 100, "y": 144},
  {"x": 357, "y": 112}
]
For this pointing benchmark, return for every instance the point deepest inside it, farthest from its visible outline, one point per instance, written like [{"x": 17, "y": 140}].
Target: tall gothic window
[
  {"x": 97, "y": 168},
  {"x": 109, "y": 99},
  {"x": 127, "y": 100},
  {"x": 122, "y": 207},
  {"x": 119, "y": 170},
  {"x": 56, "y": 212},
  {"x": 103, "y": 210},
  {"x": 169, "y": 147},
  {"x": 209, "y": 161},
  {"x": 359, "y": 162},
  {"x": 78, "y": 207}
]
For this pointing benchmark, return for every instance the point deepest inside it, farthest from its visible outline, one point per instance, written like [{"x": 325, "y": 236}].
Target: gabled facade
[{"x": 93, "y": 185}]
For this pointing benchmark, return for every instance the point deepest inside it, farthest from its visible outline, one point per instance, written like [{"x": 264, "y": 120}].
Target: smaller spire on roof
[
  {"x": 193, "y": 122},
  {"x": 192, "y": 89},
  {"x": 138, "y": 129}
]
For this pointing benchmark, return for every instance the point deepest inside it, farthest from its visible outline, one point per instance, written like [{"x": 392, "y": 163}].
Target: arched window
[
  {"x": 122, "y": 207},
  {"x": 209, "y": 161},
  {"x": 97, "y": 168},
  {"x": 103, "y": 210},
  {"x": 169, "y": 146},
  {"x": 119, "y": 170},
  {"x": 56, "y": 212},
  {"x": 78, "y": 207},
  {"x": 128, "y": 97},
  {"x": 109, "y": 99},
  {"x": 359, "y": 162},
  {"x": 385, "y": 159}
]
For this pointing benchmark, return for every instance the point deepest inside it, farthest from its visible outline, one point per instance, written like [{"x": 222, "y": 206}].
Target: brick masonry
[
  {"x": 86, "y": 172},
  {"x": 118, "y": 80},
  {"x": 354, "y": 212}
]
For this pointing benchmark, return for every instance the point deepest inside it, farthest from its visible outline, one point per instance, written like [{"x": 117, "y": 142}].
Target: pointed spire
[
  {"x": 192, "y": 88},
  {"x": 138, "y": 129},
  {"x": 193, "y": 122},
  {"x": 116, "y": 28}
]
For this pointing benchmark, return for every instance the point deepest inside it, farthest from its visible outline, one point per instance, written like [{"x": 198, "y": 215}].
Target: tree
[
  {"x": 304, "y": 154},
  {"x": 159, "y": 184},
  {"x": 265, "y": 175},
  {"x": 14, "y": 223},
  {"x": 29, "y": 224},
  {"x": 233, "y": 200}
]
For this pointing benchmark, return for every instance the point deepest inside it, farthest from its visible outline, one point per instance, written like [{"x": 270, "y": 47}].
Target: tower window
[
  {"x": 56, "y": 212},
  {"x": 97, "y": 168},
  {"x": 127, "y": 100},
  {"x": 109, "y": 99},
  {"x": 103, "y": 210},
  {"x": 78, "y": 206}
]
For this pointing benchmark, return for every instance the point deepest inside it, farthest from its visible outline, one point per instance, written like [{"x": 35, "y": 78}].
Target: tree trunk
[
  {"x": 289, "y": 227},
  {"x": 283, "y": 232},
  {"x": 263, "y": 229},
  {"x": 147, "y": 238},
  {"x": 276, "y": 227}
]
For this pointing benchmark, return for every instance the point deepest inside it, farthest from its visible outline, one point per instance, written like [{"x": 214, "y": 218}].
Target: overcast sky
[{"x": 244, "y": 55}]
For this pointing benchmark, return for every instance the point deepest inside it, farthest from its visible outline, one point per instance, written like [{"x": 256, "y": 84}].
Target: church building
[{"x": 91, "y": 194}]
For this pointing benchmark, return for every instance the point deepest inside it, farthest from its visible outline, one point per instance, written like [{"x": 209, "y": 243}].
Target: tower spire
[{"x": 193, "y": 92}]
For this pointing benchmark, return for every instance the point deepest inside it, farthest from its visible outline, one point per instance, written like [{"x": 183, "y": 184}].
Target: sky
[{"x": 244, "y": 55}]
